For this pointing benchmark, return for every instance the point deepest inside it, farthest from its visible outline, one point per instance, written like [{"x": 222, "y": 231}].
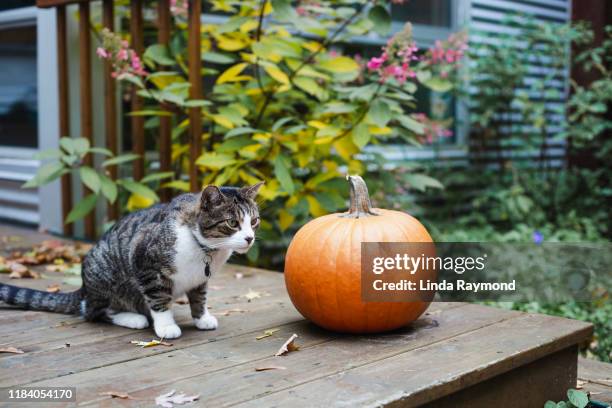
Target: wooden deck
[{"x": 455, "y": 355}]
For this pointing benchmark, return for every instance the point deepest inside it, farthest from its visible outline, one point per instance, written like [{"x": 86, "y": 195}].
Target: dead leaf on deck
[
  {"x": 267, "y": 333},
  {"x": 152, "y": 343},
  {"x": 13, "y": 350},
  {"x": 251, "y": 294},
  {"x": 53, "y": 288},
  {"x": 288, "y": 346},
  {"x": 230, "y": 311},
  {"x": 270, "y": 368},
  {"x": 20, "y": 271},
  {"x": 580, "y": 384},
  {"x": 170, "y": 399},
  {"x": 117, "y": 394}
]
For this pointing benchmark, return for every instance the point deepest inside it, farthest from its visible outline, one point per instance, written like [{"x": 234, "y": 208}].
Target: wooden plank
[
  {"x": 333, "y": 353},
  {"x": 595, "y": 371},
  {"x": 545, "y": 379},
  {"x": 225, "y": 359},
  {"x": 195, "y": 92},
  {"x": 63, "y": 103},
  {"x": 58, "y": 3},
  {"x": 138, "y": 134},
  {"x": 110, "y": 105},
  {"x": 599, "y": 392},
  {"x": 420, "y": 376},
  {"x": 86, "y": 102},
  {"x": 165, "y": 122}
]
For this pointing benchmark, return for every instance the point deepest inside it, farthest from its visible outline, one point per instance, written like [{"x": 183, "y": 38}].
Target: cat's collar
[{"x": 202, "y": 246}]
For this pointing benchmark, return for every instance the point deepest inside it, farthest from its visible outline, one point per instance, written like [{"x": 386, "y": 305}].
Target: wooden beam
[
  {"x": 110, "y": 104},
  {"x": 165, "y": 122},
  {"x": 195, "y": 78},
  {"x": 138, "y": 138},
  {"x": 86, "y": 101},
  {"x": 58, "y": 3},
  {"x": 64, "y": 115}
]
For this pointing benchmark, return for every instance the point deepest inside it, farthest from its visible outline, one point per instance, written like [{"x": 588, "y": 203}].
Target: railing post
[
  {"x": 195, "y": 78},
  {"x": 110, "y": 104},
  {"x": 165, "y": 122},
  {"x": 86, "y": 100},
  {"x": 64, "y": 115},
  {"x": 138, "y": 137}
]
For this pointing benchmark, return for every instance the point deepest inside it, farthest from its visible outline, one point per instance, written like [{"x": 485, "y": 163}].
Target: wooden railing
[{"x": 110, "y": 106}]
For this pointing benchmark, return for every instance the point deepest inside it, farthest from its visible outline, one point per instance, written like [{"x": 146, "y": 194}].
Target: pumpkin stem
[{"x": 360, "y": 205}]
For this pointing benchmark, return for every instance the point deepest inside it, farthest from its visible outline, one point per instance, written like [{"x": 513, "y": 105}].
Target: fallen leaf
[
  {"x": 267, "y": 333},
  {"x": 251, "y": 294},
  {"x": 151, "y": 343},
  {"x": 230, "y": 311},
  {"x": 53, "y": 288},
  {"x": 117, "y": 394},
  {"x": 56, "y": 268},
  {"x": 580, "y": 384},
  {"x": 270, "y": 368},
  {"x": 168, "y": 400},
  {"x": 288, "y": 346},
  {"x": 20, "y": 271},
  {"x": 11, "y": 350}
]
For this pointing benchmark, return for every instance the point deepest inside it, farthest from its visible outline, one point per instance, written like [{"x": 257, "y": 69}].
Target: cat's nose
[{"x": 248, "y": 239}]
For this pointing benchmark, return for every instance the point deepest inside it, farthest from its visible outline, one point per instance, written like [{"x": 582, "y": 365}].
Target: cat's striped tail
[{"x": 24, "y": 298}]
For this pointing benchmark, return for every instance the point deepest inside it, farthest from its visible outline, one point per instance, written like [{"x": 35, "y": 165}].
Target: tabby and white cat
[{"x": 151, "y": 257}]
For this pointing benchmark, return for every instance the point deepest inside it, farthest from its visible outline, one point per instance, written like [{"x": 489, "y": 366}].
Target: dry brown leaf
[
  {"x": 117, "y": 394},
  {"x": 270, "y": 368},
  {"x": 53, "y": 288},
  {"x": 20, "y": 271},
  {"x": 152, "y": 343},
  {"x": 288, "y": 346},
  {"x": 56, "y": 267},
  {"x": 230, "y": 311},
  {"x": 251, "y": 294},
  {"x": 170, "y": 399},
  {"x": 267, "y": 333},
  {"x": 580, "y": 384},
  {"x": 13, "y": 350}
]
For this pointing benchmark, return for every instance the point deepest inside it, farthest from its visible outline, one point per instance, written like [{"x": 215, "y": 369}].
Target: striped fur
[{"x": 151, "y": 257}]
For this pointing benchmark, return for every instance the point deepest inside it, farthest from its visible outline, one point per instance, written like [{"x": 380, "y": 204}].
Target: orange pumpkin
[{"x": 323, "y": 266}]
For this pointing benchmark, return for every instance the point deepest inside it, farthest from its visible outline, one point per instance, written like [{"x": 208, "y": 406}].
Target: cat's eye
[
  {"x": 255, "y": 221},
  {"x": 232, "y": 223}
]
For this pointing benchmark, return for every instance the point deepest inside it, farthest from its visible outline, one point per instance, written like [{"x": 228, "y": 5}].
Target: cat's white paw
[
  {"x": 206, "y": 322},
  {"x": 130, "y": 320},
  {"x": 171, "y": 331}
]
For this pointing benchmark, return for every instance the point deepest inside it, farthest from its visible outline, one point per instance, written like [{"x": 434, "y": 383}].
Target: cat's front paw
[
  {"x": 170, "y": 331},
  {"x": 206, "y": 322}
]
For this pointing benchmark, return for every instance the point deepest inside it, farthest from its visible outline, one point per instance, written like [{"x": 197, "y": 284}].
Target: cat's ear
[
  {"x": 211, "y": 197},
  {"x": 250, "y": 192}
]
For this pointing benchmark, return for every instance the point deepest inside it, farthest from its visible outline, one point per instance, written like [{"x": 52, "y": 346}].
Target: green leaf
[
  {"x": 46, "y": 174},
  {"x": 90, "y": 178},
  {"x": 379, "y": 113},
  {"x": 311, "y": 87},
  {"x": 550, "y": 404},
  {"x": 283, "y": 10},
  {"x": 217, "y": 58},
  {"x": 340, "y": 65},
  {"x": 411, "y": 124},
  {"x": 578, "y": 398},
  {"x": 81, "y": 145},
  {"x": 279, "y": 123},
  {"x": 361, "y": 135},
  {"x": 48, "y": 154},
  {"x": 100, "y": 150},
  {"x": 381, "y": 20},
  {"x": 67, "y": 144},
  {"x": 240, "y": 131},
  {"x": 281, "y": 170},
  {"x": 421, "y": 182},
  {"x": 160, "y": 54},
  {"x": 177, "y": 184},
  {"x": 157, "y": 176},
  {"x": 197, "y": 103},
  {"x": 120, "y": 159},
  {"x": 215, "y": 161},
  {"x": 232, "y": 24},
  {"x": 150, "y": 112},
  {"x": 108, "y": 188},
  {"x": 82, "y": 208},
  {"x": 138, "y": 188},
  {"x": 434, "y": 83}
]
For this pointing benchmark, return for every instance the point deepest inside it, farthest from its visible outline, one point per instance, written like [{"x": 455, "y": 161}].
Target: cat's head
[{"x": 228, "y": 217}]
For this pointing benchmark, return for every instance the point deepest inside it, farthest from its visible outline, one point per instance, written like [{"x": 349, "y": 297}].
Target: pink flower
[
  {"x": 122, "y": 54},
  {"x": 101, "y": 52},
  {"x": 375, "y": 63}
]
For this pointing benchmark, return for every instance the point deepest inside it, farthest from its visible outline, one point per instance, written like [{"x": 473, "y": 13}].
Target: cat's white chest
[{"x": 190, "y": 262}]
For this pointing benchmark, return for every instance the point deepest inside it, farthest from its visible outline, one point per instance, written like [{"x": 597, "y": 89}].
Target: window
[
  {"x": 18, "y": 89},
  {"x": 426, "y": 12},
  {"x": 13, "y": 4}
]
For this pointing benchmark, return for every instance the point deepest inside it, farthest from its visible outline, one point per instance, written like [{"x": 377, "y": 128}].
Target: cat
[{"x": 133, "y": 274}]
